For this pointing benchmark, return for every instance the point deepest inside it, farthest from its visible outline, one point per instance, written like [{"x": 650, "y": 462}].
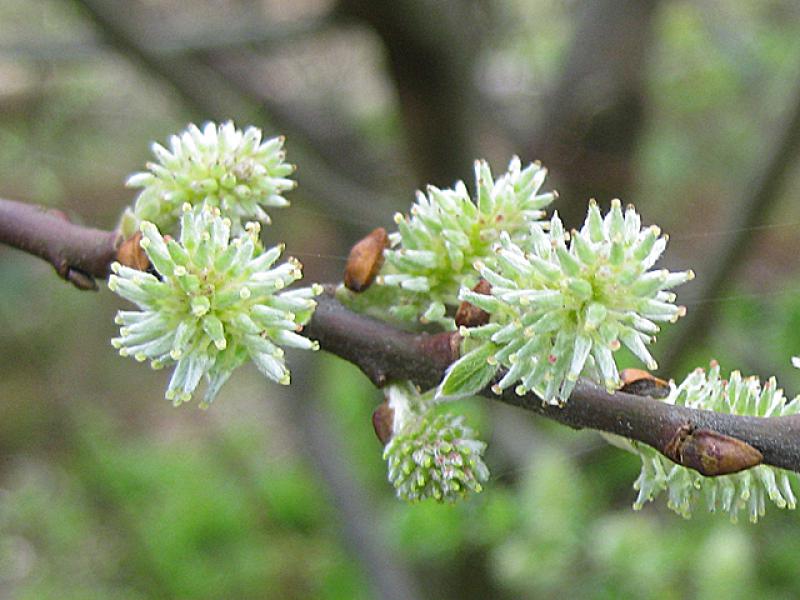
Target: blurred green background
[{"x": 686, "y": 108}]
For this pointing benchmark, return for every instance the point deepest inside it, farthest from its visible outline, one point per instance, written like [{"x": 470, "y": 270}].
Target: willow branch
[
  {"x": 385, "y": 353},
  {"x": 78, "y": 253}
]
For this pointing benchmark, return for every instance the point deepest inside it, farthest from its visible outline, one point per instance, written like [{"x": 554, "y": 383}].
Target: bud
[
  {"x": 711, "y": 453},
  {"x": 365, "y": 260},
  {"x": 469, "y": 315},
  {"x": 643, "y": 383},
  {"x": 382, "y": 420},
  {"x": 131, "y": 254}
]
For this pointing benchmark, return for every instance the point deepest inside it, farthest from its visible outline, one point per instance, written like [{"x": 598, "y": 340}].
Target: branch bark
[
  {"x": 385, "y": 353},
  {"x": 77, "y": 253}
]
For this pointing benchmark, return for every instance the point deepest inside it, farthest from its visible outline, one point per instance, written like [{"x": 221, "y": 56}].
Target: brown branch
[
  {"x": 381, "y": 351},
  {"x": 78, "y": 253},
  {"x": 385, "y": 353}
]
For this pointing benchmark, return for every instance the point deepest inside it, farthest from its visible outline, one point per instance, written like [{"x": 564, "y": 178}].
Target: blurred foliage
[{"x": 109, "y": 492}]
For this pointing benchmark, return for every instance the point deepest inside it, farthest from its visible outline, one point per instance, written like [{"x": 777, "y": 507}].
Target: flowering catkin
[
  {"x": 746, "y": 491},
  {"x": 431, "y": 454},
  {"x": 433, "y": 250},
  {"x": 561, "y": 305},
  {"x": 220, "y": 165},
  {"x": 215, "y": 303}
]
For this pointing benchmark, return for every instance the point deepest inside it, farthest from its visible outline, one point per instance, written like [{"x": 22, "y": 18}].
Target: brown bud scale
[
  {"x": 365, "y": 260},
  {"x": 382, "y": 419},
  {"x": 469, "y": 315},
  {"x": 711, "y": 453},
  {"x": 131, "y": 254},
  {"x": 643, "y": 383}
]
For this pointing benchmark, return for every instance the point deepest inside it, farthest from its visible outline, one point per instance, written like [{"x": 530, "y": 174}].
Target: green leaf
[{"x": 469, "y": 374}]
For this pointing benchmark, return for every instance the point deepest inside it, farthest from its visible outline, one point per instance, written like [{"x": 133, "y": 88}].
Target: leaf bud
[{"x": 365, "y": 260}]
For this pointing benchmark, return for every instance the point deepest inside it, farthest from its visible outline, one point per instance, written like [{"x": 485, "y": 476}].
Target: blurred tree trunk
[
  {"x": 593, "y": 119},
  {"x": 431, "y": 47}
]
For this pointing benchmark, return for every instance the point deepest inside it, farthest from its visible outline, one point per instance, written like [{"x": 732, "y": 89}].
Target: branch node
[{"x": 710, "y": 453}]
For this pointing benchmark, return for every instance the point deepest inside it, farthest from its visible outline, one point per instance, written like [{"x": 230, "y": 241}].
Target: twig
[
  {"x": 382, "y": 352},
  {"x": 385, "y": 353},
  {"x": 78, "y": 254}
]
